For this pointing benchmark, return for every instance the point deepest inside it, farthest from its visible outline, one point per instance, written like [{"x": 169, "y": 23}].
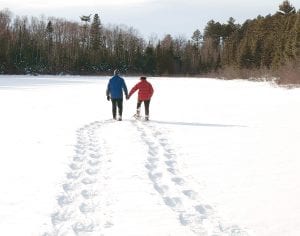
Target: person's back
[
  {"x": 116, "y": 86},
  {"x": 145, "y": 92},
  {"x": 114, "y": 92}
]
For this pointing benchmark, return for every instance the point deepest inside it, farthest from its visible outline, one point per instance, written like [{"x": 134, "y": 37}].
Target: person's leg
[
  {"x": 114, "y": 108},
  {"x": 120, "y": 108},
  {"x": 138, "y": 108},
  {"x": 147, "y": 104}
]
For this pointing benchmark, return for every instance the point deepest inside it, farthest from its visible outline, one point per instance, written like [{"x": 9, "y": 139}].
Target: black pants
[
  {"x": 117, "y": 103},
  {"x": 146, "y": 104}
]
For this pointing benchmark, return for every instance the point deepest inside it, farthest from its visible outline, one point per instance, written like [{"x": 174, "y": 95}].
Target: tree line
[{"x": 56, "y": 45}]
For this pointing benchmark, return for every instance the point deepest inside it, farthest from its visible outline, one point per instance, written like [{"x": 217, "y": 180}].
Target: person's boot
[{"x": 137, "y": 114}]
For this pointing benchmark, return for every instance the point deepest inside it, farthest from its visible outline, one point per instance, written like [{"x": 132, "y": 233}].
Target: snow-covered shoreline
[{"x": 214, "y": 153}]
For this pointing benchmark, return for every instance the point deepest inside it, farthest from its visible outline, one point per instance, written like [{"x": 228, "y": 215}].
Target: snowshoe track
[
  {"x": 84, "y": 206},
  {"x": 174, "y": 188},
  {"x": 84, "y": 192}
]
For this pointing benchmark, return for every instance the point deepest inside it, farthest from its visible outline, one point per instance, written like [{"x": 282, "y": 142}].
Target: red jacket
[{"x": 145, "y": 90}]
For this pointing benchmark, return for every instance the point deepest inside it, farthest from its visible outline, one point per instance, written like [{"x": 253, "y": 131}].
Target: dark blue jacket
[{"x": 115, "y": 87}]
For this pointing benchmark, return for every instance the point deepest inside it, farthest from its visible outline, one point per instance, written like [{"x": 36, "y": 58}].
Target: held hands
[{"x": 127, "y": 97}]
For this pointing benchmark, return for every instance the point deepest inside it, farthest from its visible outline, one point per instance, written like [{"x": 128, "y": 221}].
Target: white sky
[{"x": 150, "y": 17}]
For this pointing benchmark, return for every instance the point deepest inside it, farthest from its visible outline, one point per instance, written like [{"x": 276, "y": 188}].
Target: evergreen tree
[
  {"x": 96, "y": 33},
  {"x": 5, "y": 42},
  {"x": 197, "y": 37},
  {"x": 286, "y": 8},
  {"x": 149, "y": 66},
  {"x": 49, "y": 39}
]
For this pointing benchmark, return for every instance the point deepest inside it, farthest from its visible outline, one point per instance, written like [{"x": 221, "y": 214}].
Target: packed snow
[{"x": 216, "y": 158}]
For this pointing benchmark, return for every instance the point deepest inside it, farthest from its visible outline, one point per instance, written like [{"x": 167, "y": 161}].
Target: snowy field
[{"x": 217, "y": 158}]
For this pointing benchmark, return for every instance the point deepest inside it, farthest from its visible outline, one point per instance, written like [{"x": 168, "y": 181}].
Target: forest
[{"x": 263, "y": 46}]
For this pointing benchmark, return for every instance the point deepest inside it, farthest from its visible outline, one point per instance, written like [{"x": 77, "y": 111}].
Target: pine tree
[
  {"x": 286, "y": 8},
  {"x": 197, "y": 37},
  {"x": 5, "y": 42},
  {"x": 85, "y": 36},
  {"x": 150, "y": 61},
  {"x": 49, "y": 39},
  {"x": 96, "y": 33}
]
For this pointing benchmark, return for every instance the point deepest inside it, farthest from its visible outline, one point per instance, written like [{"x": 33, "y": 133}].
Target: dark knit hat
[{"x": 143, "y": 77}]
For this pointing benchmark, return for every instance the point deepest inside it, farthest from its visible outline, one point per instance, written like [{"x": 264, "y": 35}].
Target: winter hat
[
  {"x": 116, "y": 72},
  {"x": 143, "y": 77}
]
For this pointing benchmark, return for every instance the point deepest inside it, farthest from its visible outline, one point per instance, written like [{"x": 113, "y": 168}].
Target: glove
[
  {"x": 127, "y": 97},
  {"x": 108, "y": 98}
]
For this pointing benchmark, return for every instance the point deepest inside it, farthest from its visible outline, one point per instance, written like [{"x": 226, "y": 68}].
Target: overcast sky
[{"x": 176, "y": 17}]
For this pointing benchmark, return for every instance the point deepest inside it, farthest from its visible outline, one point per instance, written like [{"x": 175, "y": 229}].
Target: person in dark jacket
[
  {"x": 114, "y": 92},
  {"x": 144, "y": 95}
]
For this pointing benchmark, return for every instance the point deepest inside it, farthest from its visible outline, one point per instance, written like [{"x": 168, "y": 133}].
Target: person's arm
[
  {"x": 125, "y": 88},
  {"x": 151, "y": 90},
  {"x": 108, "y": 91},
  {"x": 133, "y": 89}
]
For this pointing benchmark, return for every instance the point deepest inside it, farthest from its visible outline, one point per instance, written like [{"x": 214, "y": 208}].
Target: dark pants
[
  {"x": 117, "y": 103},
  {"x": 146, "y": 104}
]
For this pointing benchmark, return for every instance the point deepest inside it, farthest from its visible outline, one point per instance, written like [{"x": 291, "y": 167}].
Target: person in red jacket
[{"x": 144, "y": 95}]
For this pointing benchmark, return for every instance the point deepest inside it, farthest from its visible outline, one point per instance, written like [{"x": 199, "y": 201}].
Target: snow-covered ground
[{"x": 217, "y": 158}]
